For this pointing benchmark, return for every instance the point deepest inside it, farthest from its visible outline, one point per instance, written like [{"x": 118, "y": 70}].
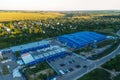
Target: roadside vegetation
[
  {"x": 117, "y": 77},
  {"x": 109, "y": 71},
  {"x": 86, "y": 49},
  {"x": 113, "y": 64},
  {"x": 97, "y": 74}
]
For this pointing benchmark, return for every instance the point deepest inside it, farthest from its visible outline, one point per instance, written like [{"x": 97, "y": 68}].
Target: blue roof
[
  {"x": 81, "y": 39},
  {"x": 29, "y": 46}
]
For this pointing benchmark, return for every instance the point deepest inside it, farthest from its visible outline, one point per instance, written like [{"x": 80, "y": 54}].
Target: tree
[{"x": 17, "y": 54}]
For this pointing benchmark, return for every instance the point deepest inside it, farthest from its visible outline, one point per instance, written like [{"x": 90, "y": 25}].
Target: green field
[
  {"x": 113, "y": 64},
  {"x": 11, "y": 16},
  {"x": 97, "y": 74}
]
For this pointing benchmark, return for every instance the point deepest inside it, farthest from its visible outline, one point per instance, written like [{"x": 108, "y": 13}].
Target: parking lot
[{"x": 68, "y": 64}]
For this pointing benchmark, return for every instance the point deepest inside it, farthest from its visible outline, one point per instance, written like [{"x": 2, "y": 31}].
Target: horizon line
[{"x": 60, "y": 10}]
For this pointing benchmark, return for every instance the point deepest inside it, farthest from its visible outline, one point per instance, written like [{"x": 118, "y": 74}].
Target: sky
[{"x": 58, "y": 5}]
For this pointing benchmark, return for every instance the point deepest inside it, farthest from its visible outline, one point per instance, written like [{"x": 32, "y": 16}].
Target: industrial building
[
  {"x": 41, "y": 55},
  {"x": 31, "y": 46},
  {"x": 27, "y": 47},
  {"x": 40, "y": 51},
  {"x": 81, "y": 39},
  {"x": 36, "y": 52}
]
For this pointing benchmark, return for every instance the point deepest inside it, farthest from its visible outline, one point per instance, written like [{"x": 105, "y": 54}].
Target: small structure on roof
[
  {"x": 20, "y": 62},
  {"x": 111, "y": 37}
]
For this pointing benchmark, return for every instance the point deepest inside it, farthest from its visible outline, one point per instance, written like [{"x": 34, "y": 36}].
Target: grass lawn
[
  {"x": 39, "y": 71},
  {"x": 97, "y": 74}
]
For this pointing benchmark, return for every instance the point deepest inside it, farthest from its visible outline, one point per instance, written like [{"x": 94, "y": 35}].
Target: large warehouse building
[
  {"x": 41, "y": 55},
  {"x": 31, "y": 46},
  {"x": 81, "y": 39}
]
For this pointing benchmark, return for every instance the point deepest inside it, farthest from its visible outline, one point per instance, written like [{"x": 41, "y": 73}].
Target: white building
[
  {"x": 27, "y": 58},
  {"x": 1, "y": 57},
  {"x": 16, "y": 73}
]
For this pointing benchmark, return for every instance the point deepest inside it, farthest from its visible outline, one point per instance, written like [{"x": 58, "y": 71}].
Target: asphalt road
[{"x": 92, "y": 66}]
